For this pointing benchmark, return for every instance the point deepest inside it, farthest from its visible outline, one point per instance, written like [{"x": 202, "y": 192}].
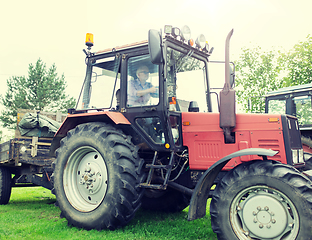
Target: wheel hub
[
  {"x": 264, "y": 215},
  {"x": 85, "y": 179},
  {"x": 91, "y": 178}
]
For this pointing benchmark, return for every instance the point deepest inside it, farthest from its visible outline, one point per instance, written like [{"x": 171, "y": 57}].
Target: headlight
[
  {"x": 201, "y": 41},
  {"x": 168, "y": 29},
  {"x": 301, "y": 159},
  {"x": 186, "y": 33},
  {"x": 174, "y": 31},
  {"x": 295, "y": 155}
]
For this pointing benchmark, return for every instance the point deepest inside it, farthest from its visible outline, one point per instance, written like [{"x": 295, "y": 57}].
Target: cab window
[
  {"x": 186, "y": 81},
  {"x": 143, "y": 82}
]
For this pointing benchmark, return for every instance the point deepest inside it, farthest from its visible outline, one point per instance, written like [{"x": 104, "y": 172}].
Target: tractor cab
[{"x": 151, "y": 91}]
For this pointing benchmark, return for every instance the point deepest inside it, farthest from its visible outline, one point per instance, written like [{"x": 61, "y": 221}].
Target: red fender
[{"x": 73, "y": 120}]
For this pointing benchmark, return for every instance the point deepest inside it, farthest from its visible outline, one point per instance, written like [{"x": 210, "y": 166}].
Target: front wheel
[
  {"x": 262, "y": 200},
  {"x": 96, "y": 177}
]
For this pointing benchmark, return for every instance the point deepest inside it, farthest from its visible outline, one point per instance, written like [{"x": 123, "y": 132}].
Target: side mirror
[{"x": 155, "y": 47}]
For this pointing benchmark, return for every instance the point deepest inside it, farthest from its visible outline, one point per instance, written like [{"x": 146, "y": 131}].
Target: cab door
[{"x": 144, "y": 101}]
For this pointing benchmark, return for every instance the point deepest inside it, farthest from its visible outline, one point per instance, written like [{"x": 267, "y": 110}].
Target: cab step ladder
[{"x": 154, "y": 166}]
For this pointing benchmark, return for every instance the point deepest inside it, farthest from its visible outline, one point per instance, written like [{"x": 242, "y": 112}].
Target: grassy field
[{"x": 31, "y": 214}]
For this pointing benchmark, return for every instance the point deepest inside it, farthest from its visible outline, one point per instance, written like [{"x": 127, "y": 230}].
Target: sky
[{"x": 55, "y": 30}]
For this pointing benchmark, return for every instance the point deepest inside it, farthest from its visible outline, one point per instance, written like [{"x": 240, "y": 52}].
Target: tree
[
  {"x": 42, "y": 90},
  {"x": 260, "y": 72},
  {"x": 298, "y": 64},
  {"x": 256, "y": 74}
]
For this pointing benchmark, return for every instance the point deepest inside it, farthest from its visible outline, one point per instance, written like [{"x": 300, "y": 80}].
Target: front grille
[{"x": 273, "y": 144}]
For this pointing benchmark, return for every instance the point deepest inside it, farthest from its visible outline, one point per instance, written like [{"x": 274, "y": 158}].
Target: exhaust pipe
[{"x": 227, "y": 98}]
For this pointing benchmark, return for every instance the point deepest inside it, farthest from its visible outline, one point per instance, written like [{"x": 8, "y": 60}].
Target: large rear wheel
[
  {"x": 262, "y": 200},
  {"x": 96, "y": 177}
]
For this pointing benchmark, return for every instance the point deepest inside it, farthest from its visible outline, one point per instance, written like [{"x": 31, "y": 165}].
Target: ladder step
[
  {"x": 157, "y": 166},
  {"x": 153, "y": 186}
]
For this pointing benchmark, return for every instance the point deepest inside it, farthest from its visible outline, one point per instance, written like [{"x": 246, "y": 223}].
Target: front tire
[
  {"x": 262, "y": 200},
  {"x": 96, "y": 177}
]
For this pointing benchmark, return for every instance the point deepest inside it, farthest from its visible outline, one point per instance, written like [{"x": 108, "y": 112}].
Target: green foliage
[
  {"x": 298, "y": 64},
  {"x": 259, "y": 72},
  {"x": 256, "y": 74},
  {"x": 42, "y": 90}
]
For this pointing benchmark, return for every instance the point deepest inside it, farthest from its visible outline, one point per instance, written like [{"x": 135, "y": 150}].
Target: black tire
[
  {"x": 262, "y": 200},
  {"x": 170, "y": 201},
  {"x": 96, "y": 177},
  {"x": 5, "y": 185}
]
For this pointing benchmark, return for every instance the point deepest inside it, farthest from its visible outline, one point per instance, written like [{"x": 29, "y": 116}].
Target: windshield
[
  {"x": 186, "y": 80},
  {"x": 298, "y": 106},
  {"x": 101, "y": 84},
  {"x": 277, "y": 106},
  {"x": 303, "y": 110}
]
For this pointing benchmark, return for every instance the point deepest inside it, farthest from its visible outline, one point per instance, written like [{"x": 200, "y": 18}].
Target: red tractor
[{"x": 145, "y": 136}]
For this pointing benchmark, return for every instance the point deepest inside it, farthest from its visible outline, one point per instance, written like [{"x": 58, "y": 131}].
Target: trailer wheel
[
  {"x": 262, "y": 200},
  {"x": 165, "y": 201},
  {"x": 5, "y": 185},
  {"x": 96, "y": 177}
]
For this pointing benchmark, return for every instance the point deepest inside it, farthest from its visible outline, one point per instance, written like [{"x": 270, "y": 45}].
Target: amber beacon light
[{"x": 89, "y": 40}]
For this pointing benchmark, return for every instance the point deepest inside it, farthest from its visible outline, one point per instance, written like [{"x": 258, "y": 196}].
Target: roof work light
[
  {"x": 168, "y": 29},
  {"x": 201, "y": 41},
  {"x": 174, "y": 31},
  {"x": 184, "y": 35}
]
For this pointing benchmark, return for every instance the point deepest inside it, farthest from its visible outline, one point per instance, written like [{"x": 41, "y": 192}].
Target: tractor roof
[
  {"x": 292, "y": 89},
  {"x": 123, "y": 47}
]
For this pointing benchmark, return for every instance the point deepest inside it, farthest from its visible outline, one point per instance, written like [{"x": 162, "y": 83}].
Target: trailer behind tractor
[{"x": 26, "y": 156}]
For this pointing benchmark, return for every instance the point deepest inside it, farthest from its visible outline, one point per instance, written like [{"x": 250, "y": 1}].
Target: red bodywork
[{"x": 205, "y": 139}]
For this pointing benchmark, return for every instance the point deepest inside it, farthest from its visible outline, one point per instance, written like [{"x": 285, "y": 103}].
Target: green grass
[{"x": 31, "y": 214}]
